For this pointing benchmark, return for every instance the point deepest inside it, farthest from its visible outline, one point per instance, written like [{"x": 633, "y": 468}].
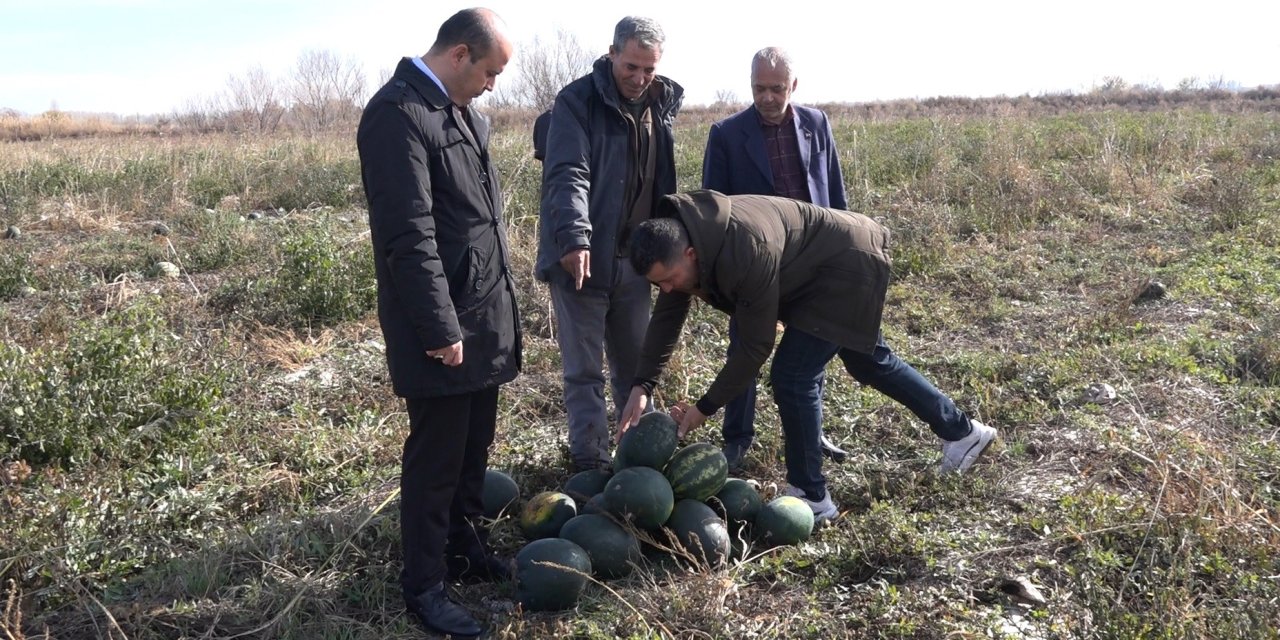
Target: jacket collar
[
  {"x": 669, "y": 93},
  {"x": 426, "y": 87},
  {"x": 705, "y": 214},
  {"x": 409, "y": 72}
]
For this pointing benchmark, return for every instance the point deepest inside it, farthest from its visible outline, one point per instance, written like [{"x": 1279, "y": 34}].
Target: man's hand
[
  {"x": 687, "y": 416},
  {"x": 578, "y": 263},
  {"x": 450, "y": 356},
  {"x": 636, "y": 405}
]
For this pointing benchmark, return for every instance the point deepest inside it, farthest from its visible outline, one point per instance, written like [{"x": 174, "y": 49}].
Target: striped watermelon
[{"x": 697, "y": 471}]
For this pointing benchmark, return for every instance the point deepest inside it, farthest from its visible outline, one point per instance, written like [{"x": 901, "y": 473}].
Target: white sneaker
[
  {"x": 959, "y": 455},
  {"x": 823, "y": 510}
]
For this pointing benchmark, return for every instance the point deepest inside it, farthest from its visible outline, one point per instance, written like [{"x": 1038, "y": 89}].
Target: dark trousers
[
  {"x": 442, "y": 480},
  {"x": 739, "y": 426},
  {"x": 797, "y": 375}
]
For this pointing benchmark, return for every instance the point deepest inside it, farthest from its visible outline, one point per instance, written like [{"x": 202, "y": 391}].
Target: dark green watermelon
[
  {"x": 697, "y": 471},
  {"x": 785, "y": 520},
  {"x": 738, "y": 501},
  {"x": 545, "y": 513},
  {"x": 583, "y": 485},
  {"x": 551, "y": 574},
  {"x": 639, "y": 495},
  {"x": 612, "y": 548},
  {"x": 701, "y": 532},
  {"x": 594, "y": 505},
  {"x": 648, "y": 443},
  {"x": 499, "y": 493}
]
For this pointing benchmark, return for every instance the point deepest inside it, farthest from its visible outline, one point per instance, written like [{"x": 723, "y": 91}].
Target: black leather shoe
[
  {"x": 735, "y": 453},
  {"x": 830, "y": 450},
  {"x": 439, "y": 614},
  {"x": 477, "y": 567}
]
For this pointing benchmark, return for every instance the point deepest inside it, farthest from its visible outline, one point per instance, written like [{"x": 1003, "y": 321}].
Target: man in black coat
[{"x": 446, "y": 300}]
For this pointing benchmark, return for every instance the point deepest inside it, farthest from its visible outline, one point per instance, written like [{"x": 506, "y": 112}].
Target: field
[{"x": 212, "y": 452}]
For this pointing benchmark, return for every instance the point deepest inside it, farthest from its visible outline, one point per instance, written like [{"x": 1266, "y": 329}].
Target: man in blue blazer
[{"x": 773, "y": 148}]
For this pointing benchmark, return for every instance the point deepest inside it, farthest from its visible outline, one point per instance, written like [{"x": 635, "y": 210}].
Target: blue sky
[{"x": 153, "y": 56}]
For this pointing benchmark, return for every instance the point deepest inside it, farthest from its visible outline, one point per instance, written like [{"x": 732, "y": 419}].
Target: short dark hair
[
  {"x": 657, "y": 240},
  {"x": 472, "y": 27}
]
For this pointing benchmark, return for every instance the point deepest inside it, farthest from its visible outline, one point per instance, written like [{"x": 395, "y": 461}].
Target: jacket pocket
[
  {"x": 854, "y": 299},
  {"x": 479, "y": 280}
]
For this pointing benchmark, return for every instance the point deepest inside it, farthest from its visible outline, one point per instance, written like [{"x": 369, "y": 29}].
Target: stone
[
  {"x": 165, "y": 270},
  {"x": 1021, "y": 590},
  {"x": 1153, "y": 290},
  {"x": 1099, "y": 393}
]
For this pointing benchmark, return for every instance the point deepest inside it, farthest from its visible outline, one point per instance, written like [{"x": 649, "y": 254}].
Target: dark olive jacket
[
  {"x": 440, "y": 247},
  {"x": 764, "y": 259}
]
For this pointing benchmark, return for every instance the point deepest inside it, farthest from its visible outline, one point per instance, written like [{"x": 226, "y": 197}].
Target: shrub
[
  {"x": 221, "y": 240},
  {"x": 118, "y": 385},
  {"x": 320, "y": 280},
  {"x": 1259, "y": 357},
  {"x": 15, "y": 268}
]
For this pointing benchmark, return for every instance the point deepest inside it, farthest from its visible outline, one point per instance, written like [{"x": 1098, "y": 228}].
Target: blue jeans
[
  {"x": 594, "y": 323},
  {"x": 739, "y": 425},
  {"x": 797, "y": 377}
]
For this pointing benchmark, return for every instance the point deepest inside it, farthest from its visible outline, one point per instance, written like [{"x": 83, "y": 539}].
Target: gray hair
[
  {"x": 645, "y": 31},
  {"x": 774, "y": 57}
]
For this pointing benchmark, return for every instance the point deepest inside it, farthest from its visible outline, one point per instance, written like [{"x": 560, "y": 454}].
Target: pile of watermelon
[{"x": 656, "y": 501}]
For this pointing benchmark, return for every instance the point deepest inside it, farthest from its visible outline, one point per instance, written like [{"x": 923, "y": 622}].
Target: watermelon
[
  {"x": 697, "y": 471},
  {"x": 639, "y": 495},
  {"x": 583, "y": 485},
  {"x": 611, "y": 547},
  {"x": 545, "y": 513},
  {"x": 594, "y": 505},
  {"x": 659, "y": 560},
  {"x": 785, "y": 520},
  {"x": 737, "y": 501},
  {"x": 499, "y": 493},
  {"x": 551, "y": 574},
  {"x": 648, "y": 443},
  {"x": 700, "y": 532}
]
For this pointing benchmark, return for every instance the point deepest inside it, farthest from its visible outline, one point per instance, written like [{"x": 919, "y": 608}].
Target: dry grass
[{"x": 1022, "y": 244}]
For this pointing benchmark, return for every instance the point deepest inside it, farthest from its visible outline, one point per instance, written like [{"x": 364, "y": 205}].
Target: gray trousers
[{"x": 594, "y": 322}]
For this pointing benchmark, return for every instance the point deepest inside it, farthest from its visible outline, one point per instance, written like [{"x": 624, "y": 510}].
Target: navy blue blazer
[{"x": 736, "y": 162}]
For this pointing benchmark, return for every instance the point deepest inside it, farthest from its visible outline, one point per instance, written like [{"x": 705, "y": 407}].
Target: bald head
[
  {"x": 479, "y": 29},
  {"x": 471, "y": 49}
]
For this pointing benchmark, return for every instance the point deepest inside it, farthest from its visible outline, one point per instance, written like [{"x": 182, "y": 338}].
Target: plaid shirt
[{"x": 780, "y": 142}]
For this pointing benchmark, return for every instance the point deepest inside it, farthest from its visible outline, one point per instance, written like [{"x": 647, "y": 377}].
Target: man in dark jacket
[
  {"x": 823, "y": 273},
  {"x": 446, "y": 300},
  {"x": 610, "y": 156},
  {"x": 772, "y": 148}
]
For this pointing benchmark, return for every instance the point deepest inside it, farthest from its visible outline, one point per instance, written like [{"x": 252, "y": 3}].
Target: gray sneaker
[
  {"x": 959, "y": 455},
  {"x": 735, "y": 453},
  {"x": 824, "y": 510}
]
